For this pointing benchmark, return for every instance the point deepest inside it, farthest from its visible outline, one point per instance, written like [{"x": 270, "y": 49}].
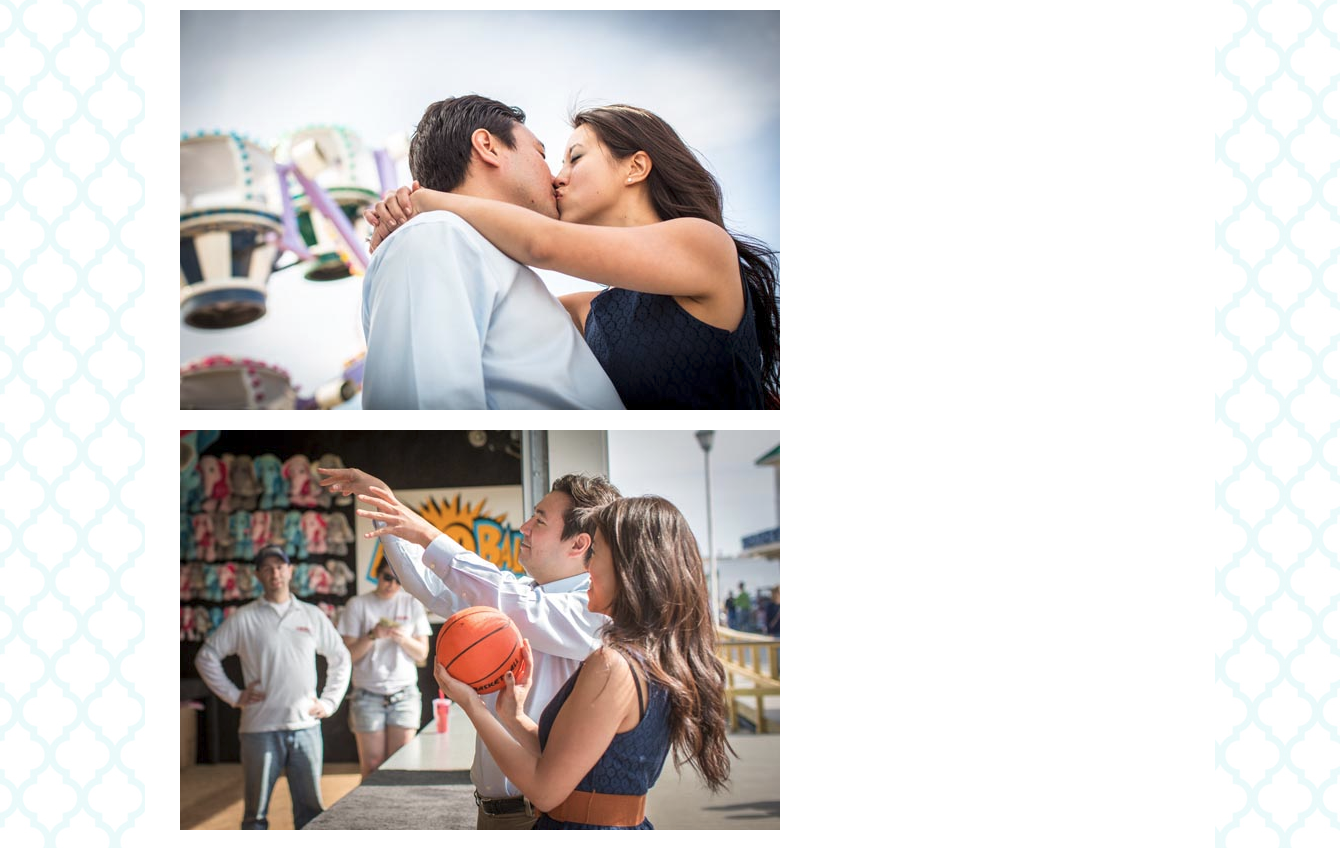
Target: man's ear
[
  {"x": 639, "y": 167},
  {"x": 579, "y": 545},
  {"x": 484, "y": 145}
]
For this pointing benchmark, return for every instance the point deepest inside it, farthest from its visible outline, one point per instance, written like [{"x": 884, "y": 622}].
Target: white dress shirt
[
  {"x": 562, "y": 631},
  {"x": 279, "y": 650},
  {"x": 452, "y": 323}
]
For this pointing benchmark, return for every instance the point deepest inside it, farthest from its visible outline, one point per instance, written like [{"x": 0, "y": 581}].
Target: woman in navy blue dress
[
  {"x": 690, "y": 317},
  {"x": 655, "y": 684}
]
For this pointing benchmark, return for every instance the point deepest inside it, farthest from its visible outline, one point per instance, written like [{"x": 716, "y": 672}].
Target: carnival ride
[{"x": 248, "y": 210}]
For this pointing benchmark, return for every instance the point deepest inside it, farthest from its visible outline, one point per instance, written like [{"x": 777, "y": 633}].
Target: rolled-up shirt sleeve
[{"x": 556, "y": 623}]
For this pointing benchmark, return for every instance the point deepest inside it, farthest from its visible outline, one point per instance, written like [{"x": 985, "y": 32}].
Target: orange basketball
[{"x": 478, "y": 646}]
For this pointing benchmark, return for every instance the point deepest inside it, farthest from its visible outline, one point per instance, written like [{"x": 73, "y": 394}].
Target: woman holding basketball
[{"x": 655, "y": 684}]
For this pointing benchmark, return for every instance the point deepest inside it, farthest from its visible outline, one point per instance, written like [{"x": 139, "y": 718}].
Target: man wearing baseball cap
[{"x": 277, "y": 638}]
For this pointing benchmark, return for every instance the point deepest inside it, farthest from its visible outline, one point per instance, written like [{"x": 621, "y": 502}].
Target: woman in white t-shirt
[{"x": 386, "y": 632}]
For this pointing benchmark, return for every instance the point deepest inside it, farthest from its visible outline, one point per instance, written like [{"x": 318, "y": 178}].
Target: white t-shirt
[
  {"x": 385, "y": 668},
  {"x": 452, "y": 323}
]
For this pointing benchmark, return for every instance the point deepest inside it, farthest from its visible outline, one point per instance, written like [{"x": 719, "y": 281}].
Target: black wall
[{"x": 405, "y": 459}]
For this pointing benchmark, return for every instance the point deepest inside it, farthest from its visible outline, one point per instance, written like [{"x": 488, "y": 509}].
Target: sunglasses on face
[{"x": 387, "y": 575}]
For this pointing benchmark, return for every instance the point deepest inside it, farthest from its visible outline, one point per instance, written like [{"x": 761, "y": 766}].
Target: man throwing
[
  {"x": 450, "y": 321},
  {"x": 548, "y": 606},
  {"x": 278, "y": 637}
]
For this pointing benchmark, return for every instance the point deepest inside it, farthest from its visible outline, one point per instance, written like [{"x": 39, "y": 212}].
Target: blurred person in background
[{"x": 386, "y": 632}]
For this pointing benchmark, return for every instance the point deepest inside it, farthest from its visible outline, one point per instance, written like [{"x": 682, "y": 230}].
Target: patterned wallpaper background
[
  {"x": 1277, "y": 444},
  {"x": 72, "y": 719},
  {"x": 72, "y": 453}
]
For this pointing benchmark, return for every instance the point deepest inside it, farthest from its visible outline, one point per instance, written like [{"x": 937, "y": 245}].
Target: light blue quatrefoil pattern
[
  {"x": 1276, "y": 711},
  {"x": 71, "y": 456}
]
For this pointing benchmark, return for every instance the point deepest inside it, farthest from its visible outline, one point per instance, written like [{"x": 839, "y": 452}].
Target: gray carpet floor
[{"x": 404, "y": 800}]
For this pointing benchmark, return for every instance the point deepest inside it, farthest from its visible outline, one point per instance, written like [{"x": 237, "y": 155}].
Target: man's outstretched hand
[
  {"x": 350, "y": 481},
  {"x": 398, "y": 519}
]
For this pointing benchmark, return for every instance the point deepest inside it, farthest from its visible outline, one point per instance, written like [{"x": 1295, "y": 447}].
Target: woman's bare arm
[
  {"x": 602, "y": 702},
  {"x": 685, "y": 257}
]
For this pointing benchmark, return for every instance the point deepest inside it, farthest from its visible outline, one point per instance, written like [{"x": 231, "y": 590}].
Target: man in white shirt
[
  {"x": 548, "y": 606},
  {"x": 386, "y": 632},
  {"x": 451, "y": 322},
  {"x": 278, "y": 637}
]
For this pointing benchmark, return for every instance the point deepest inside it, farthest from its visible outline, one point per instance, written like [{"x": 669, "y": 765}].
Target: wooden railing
[{"x": 753, "y": 671}]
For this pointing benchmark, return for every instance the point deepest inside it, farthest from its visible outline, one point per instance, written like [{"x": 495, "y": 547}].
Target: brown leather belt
[{"x": 601, "y": 809}]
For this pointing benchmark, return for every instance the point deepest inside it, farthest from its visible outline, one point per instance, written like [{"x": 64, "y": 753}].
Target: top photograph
[{"x": 480, "y": 210}]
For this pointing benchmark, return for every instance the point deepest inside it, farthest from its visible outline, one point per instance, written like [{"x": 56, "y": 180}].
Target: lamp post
[{"x": 705, "y": 442}]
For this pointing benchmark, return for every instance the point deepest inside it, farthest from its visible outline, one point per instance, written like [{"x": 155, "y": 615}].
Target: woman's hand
[
  {"x": 399, "y": 519},
  {"x": 512, "y": 699},
  {"x": 428, "y": 200},
  {"x": 389, "y": 213},
  {"x": 456, "y": 690}
]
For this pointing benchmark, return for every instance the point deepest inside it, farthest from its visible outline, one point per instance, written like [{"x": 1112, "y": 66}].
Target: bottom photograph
[{"x": 480, "y": 629}]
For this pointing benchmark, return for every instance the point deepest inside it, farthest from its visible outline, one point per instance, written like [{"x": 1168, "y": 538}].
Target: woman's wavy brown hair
[
  {"x": 661, "y": 618},
  {"x": 681, "y": 187}
]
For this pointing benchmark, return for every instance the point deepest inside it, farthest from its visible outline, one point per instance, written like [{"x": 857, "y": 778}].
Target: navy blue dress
[
  {"x": 632, "y": 762},
  {"x": 660, "y": 357}
]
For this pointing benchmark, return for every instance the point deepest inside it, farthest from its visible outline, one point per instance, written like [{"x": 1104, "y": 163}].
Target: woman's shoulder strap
[{"x": 637, "y": 686}]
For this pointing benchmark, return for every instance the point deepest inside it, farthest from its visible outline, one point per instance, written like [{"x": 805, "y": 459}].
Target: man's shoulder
[
  {"x": 575, "y": 584},
  {"x": 248, "y": 609},
  {"x": 444, "y": 243},
  {"x": 433, "y": 226},
  {"x": 306, "y": 608},
  {"x": 244, "y": 614}
]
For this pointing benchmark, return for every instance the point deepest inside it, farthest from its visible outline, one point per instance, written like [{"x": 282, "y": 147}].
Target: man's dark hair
[
  {"x": 586, "y": 493},
  {"x": 439, "y": 152}
]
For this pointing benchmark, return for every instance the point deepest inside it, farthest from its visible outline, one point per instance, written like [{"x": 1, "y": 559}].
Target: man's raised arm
[{"x": 406, "y": 558}]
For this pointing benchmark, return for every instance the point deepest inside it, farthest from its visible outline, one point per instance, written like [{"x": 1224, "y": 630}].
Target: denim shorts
[{"x": 369, "y": 712}]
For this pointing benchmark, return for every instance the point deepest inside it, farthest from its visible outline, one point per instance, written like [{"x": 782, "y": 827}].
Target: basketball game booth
[
  {"x": 242, "y": 489},
  {"x": 247, "y": 210}
]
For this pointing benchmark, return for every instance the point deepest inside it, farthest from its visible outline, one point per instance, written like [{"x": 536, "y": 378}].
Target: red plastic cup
[{"x": 442, "y": 709}]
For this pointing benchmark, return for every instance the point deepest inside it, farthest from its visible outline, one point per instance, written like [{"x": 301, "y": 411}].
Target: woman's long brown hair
[
  {"x": 682, "y": 188},
  {"x": 661, "y": 618}
]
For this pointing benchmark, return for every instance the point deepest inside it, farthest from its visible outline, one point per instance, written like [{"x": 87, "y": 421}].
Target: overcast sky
[
  {"x": 669, "y": 463},
  {"x": 714, "y": 76}
]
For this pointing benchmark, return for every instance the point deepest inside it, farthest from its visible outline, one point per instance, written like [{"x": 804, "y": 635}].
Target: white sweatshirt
[{"x": 279, "y": 652}]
